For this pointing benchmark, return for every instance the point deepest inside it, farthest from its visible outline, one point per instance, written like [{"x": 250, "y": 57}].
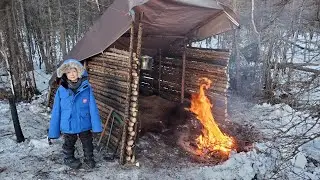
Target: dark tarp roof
[{"x": 166, "y": 19}]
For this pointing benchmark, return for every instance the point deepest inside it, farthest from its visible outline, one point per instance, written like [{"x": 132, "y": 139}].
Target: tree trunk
[
  {"x": 62, "y": 31},
  {"x": 13, "y": 53},
  {"x": 52, "y": 49}
]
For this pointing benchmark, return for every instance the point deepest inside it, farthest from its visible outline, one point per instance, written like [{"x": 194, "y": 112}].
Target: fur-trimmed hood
[{"x": 71, "y": 63}]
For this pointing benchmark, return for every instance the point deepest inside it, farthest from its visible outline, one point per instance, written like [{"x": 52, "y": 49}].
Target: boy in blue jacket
[{"x": 75, "y": 113}]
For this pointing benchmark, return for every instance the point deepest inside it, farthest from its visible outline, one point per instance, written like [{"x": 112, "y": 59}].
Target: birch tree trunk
[{"x": 62, "y": 31}]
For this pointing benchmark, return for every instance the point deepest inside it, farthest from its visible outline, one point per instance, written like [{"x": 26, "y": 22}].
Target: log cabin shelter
[{"x": 142, "y": 46}]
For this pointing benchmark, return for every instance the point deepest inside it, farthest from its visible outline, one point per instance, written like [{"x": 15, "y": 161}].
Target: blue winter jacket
[{"x": 73, "y": 113}]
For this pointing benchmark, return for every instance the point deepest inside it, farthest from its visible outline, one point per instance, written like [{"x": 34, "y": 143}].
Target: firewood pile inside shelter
[{"x": 147, "y": 77}]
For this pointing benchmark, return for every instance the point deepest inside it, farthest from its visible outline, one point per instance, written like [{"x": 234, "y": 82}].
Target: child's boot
[
  {"x": 86, "y": 139},
  {"x": 68, "y": 151}
]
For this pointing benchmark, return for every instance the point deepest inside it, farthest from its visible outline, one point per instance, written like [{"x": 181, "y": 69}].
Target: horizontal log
[
  {"x": 107, "y": 70},
  {"x": 213, "y": 88},
  {"x": 223, "y": 63},
  {"x": 111, "y": 60},
  {"x": 192, "y": 76},
  {"x": 115, "y": 55},
  {"x": 123, "y": 52},
  {"x": 113, "y": 139},
  {"x": 118, "y": 96},
  {"x": 121, "y": 107},
  {"x": 170, "y": 97},
  {"x": 194, "y": 73},
  {"x": 195, "y": 84},
  {"x": 116, "y": 86},
  {"x": 112, "y": 65},
  {"x": 195, "y": 76},
  {"x": 193, "y": 65},
  {"x": 201, "y": 54},
  {"x": 177, "y": 88},
  {"x": 112, "y": 88},
  {"x": 109, "y": 75},
  {"x": 107, "y": 79},
  {"x": 116, "y": 129}
]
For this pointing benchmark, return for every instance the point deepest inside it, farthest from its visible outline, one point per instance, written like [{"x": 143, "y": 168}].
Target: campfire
[
  {"x": 211, "y": 140},
  {"x": 205, "y": 140}
]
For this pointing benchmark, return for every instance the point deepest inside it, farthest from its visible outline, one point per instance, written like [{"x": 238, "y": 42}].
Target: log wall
[
  {"x": 113, "y": 78},
  {"x": 199, "y": 63}
]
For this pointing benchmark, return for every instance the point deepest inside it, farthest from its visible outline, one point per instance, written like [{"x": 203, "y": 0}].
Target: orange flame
[{"x": 211, "y": 139}]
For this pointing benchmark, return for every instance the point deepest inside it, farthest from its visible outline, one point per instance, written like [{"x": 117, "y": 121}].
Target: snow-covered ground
[{"x": 35, "y": 159}]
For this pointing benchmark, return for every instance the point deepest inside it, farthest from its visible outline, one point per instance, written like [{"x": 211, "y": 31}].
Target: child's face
[{"x": 72, "y": 74}]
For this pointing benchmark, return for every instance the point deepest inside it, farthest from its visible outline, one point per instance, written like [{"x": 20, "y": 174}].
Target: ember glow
[{"x": 212, "y": 139}]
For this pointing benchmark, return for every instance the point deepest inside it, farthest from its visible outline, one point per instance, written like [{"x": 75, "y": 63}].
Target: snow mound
[{"x": 39, "y": 144}]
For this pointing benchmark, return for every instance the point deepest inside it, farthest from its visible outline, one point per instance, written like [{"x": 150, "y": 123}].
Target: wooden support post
[
  {"x": 139, "y": 43},
  {"x": 159, "y": 79},
  {"x": 183, "y": 70},
  {"x": 124, "y": 132},
  {"x": 85, "y": 64},
  {"x": 135, "y": 125}
]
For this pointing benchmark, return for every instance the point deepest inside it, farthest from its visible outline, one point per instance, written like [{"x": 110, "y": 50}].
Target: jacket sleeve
[
  {"x": 94, "y": 113},
  {"x": 54, "y": 128}
]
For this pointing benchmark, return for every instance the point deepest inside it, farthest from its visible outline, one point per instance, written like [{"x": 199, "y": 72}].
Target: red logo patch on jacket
[{"x": 84, "y": 100}]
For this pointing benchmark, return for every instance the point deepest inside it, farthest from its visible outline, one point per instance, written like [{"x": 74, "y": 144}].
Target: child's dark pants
[{"x": 69, "y": 148}]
